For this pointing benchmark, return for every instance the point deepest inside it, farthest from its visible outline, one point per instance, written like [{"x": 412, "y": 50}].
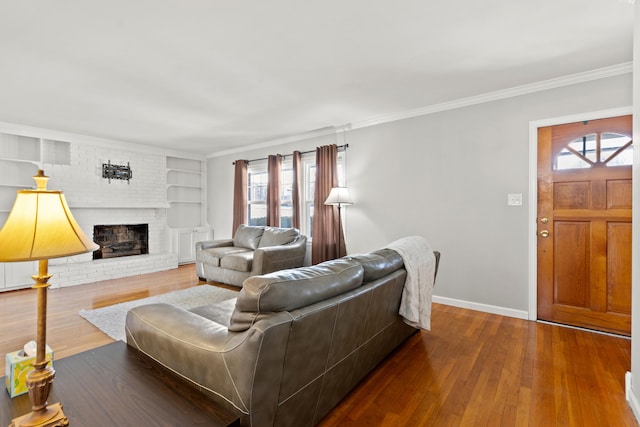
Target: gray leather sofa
[
  {"x": 292, "y": 344},
  {"x": 253, "y": 250}
]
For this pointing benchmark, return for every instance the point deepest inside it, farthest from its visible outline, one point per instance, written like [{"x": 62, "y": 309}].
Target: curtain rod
[{"x": 340, "y": 147}]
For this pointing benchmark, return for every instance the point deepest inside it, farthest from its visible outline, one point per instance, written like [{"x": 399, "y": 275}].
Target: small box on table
[{"x": 17, "y": 367}]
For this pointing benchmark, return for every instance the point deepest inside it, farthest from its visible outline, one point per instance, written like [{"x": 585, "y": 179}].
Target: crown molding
[
  {"x": 41, "y": 133},
  {"x": 587, "y": 76},
  {"x": 571, "y": 79},
  {"x": 329, "y": 130}
]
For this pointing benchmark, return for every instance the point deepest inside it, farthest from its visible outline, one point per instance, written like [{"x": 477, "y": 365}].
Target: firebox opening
[{"x": 121, "y": 240}]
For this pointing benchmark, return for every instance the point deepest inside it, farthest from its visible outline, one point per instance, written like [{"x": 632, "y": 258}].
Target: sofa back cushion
[
  {"x": 379, "y": 263},
  {"x": 248, "y": 236},
  {"x": 274, "y": 236},
  {"x": 288, "y": 290}
]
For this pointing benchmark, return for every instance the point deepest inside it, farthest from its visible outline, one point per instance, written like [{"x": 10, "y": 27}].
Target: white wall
[{"x": 445, "y": 176}]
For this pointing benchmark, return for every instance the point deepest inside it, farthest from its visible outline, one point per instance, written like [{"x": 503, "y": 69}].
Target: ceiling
[{"x": 207, "y": 76}]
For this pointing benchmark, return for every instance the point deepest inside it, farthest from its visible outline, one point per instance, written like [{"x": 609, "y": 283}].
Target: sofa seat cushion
[
  {"x": 278, "y": 236},
  {"x": 213, "y": 256},
  {"x": 238, "y": 261},
  {"x": 287, "y": 290},
  {"x": 219, "y": 312},
  {"x": 208, "y": 256},
  {"x": 248, "y": 236}
]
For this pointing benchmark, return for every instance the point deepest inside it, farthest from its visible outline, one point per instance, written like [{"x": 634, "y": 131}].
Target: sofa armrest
[
  {"x": 190, "y": 345},
  {"x": 273, "y": 258},
  {"x": 207, "y": 244},
  {"x": 241, "y": 369}
]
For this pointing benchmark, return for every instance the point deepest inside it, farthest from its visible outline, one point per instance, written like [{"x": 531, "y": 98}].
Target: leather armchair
[{"x": 254, "y": 250}]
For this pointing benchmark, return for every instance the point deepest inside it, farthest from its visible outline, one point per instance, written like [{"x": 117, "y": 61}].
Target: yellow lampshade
[{"x": 41, "y": 226}]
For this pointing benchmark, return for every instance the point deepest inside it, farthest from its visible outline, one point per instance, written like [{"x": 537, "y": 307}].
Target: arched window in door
[{"x": 600, "y": 149}]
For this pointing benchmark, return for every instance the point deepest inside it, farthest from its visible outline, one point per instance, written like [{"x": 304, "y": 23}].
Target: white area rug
[{"x": 111, "y": 319}]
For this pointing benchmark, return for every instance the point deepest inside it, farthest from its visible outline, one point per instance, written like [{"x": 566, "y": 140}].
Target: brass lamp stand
[
  {"x": 40, "y": 226},
  {"x": 40, "y": 379}
]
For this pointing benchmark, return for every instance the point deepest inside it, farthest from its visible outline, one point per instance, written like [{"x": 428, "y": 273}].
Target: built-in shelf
[
  {"x": 19, "y": 148},
  {"x": 188, "y": 171},
  {"x": 20, "y": 158},
  {"x": 185, "y": 202},
  {"x": 185, "y": 192},
  {"x": 184, "y": 186},
  {"x": 186, "y": 214},
  {"x": 55, "y": 152}
]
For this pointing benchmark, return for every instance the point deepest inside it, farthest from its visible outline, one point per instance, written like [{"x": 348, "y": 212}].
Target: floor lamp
[
  {"x": 39, "y": 227},
  {"x": 337, "y": 197}
]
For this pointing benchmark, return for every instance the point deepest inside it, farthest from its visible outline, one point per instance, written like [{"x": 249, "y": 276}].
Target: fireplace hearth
[{"x": 121, "y": 240}]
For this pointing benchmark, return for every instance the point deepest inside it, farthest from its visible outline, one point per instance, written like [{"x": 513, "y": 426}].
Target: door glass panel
[
  {"x": 578, "y": 153},
  {"x": 605, "y": 149},
  {"x": 617, "y": 149}
]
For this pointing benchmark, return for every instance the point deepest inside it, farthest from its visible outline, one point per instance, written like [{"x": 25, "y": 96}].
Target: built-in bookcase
[
  {"x": 20, "y": 158},
  {"x": 185, "y": 192},
  {"x": 186, "y": 216}
]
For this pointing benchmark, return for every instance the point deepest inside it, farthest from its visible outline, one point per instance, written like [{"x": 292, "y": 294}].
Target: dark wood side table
[{"x": 115, "y": 385}]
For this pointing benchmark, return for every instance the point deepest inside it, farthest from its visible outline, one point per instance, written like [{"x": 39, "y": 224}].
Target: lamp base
[{"x": 52, "y": 416}]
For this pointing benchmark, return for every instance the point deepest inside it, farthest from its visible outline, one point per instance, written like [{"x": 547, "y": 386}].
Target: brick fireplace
[
  {"x": 84, "y": 268},
  {"x": 96, "y": 201}
]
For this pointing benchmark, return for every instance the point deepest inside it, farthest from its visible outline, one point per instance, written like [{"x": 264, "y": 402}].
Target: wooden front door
[{"x": 584, "y": 224}]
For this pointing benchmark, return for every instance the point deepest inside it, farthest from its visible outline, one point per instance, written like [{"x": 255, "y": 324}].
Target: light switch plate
[{"x": 514, "y": 199}]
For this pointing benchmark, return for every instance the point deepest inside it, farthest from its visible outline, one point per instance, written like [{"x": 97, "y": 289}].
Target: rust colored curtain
[
  {"x": 274, "y": 171},
  {"x": 326, "y": 233},
  {"x": 240, "y": 194},
  {"x": 296, "y": 191}
]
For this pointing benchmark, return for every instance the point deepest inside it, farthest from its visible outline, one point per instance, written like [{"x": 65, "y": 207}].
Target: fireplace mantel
[{"x": 115, "y": 205}]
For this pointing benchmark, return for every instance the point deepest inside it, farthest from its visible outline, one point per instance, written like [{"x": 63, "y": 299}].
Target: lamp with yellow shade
[{"x": 40, "y": 226}]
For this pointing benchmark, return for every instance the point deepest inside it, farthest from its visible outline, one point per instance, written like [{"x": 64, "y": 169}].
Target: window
[
  {"x": 309, "y": 189},
  {"x": 257, "y": 191},
  {"x": 597, "y": 149},
  {"x": 257, "y": 194},
  {"x": 286, "y": 193}
]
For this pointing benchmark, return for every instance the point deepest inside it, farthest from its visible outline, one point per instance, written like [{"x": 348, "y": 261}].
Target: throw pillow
[
  {"x": 277, "y": 236},
  {"x": 248, "y": 236}
]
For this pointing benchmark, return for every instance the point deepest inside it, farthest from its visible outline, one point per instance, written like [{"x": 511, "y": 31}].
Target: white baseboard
[
  {"x": 493, "y": 309},
  {"x": 631, "y": 398}
]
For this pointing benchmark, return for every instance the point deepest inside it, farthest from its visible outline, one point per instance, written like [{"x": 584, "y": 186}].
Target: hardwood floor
[
  {"x": 472, "y": 369},
  {"x": 479, "y": 369},
  {"x": 67, "y": 332}
]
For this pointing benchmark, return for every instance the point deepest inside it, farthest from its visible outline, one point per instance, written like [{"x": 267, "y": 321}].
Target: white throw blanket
[{"x": 420, "y": 263}]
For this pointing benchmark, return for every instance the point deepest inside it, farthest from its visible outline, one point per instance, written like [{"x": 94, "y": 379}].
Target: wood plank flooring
[
  {"x": 67, "y": 332},
  {"x": 472, "y": 369},
  {"x": 479, "y": 369}
]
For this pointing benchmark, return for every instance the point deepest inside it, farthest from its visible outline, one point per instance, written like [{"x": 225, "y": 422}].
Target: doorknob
[
  {"x": 544, "y": 220},
  {"x": 544, "y": 233}
]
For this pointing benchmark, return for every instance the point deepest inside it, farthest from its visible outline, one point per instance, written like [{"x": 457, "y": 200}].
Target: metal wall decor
[{"x": 110, "y": 171}]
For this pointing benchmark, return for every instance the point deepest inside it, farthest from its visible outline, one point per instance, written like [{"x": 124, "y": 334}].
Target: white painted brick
[
  {"x": 95, "y": 201},
  {"x": 94, "y": 271}
]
